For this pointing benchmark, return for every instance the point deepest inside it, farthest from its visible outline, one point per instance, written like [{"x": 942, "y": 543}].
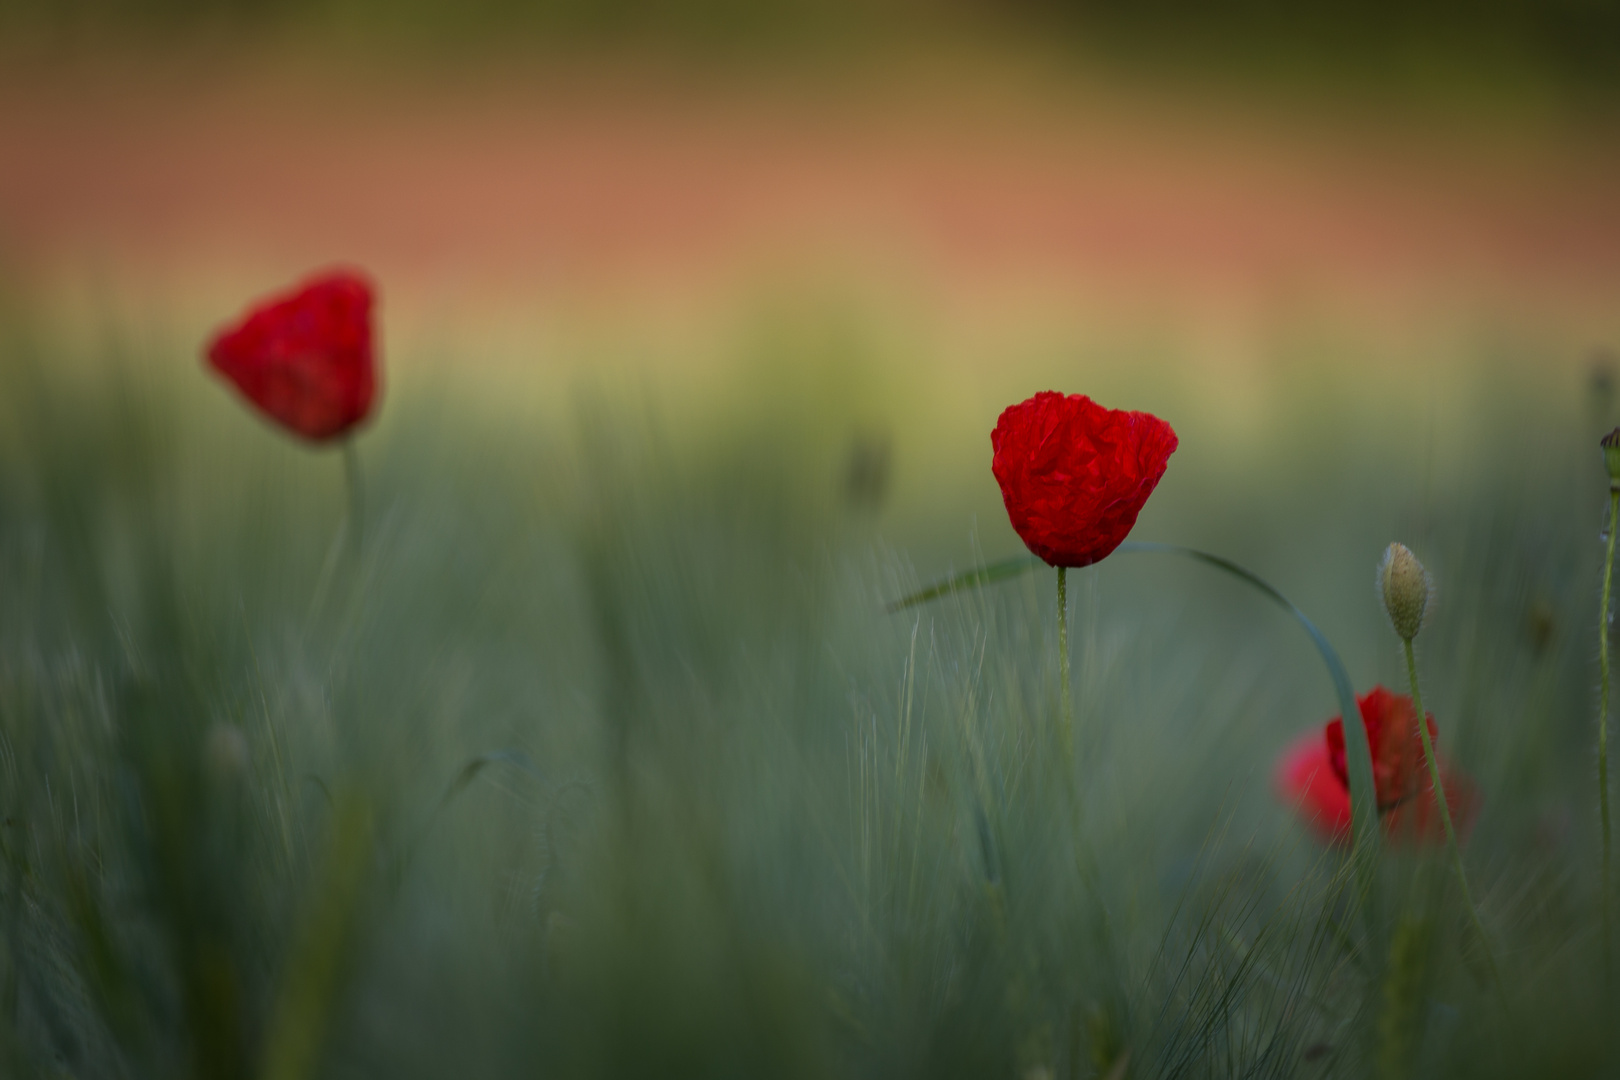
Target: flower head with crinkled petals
[{"x": 1074, "y": 475}]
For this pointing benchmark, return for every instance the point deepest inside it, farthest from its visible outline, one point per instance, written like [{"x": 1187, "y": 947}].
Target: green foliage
[
  {"x": 1364, "y": 830},
  {"x": 604, "y": 757}
]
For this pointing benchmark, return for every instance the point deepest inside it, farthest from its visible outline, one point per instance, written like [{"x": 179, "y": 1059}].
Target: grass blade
[
  {"x": 990, "y": 574},
  {"x": 463, "y": 779},
  {"x": 1363, "y": 806}
]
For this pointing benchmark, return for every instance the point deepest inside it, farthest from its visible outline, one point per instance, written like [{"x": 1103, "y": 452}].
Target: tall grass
[{"x": 605, "y": 757}]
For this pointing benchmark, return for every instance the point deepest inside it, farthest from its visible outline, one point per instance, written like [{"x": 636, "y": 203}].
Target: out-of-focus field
[
  {"x": 601, "y": 755},
  {"x": 918, "y": 243},
  {"x": 950, "y": 178}
]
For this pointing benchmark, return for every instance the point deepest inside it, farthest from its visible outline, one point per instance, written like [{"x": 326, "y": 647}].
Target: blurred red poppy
[
  {"x": 1312, "y": 775},
  {"x": 1074, "y": 474},
  {"x": 305, "y": 358}
]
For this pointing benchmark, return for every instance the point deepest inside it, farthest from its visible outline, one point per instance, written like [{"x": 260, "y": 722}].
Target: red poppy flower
[
  {"x": 1312, "y": 775},
  {"x": 1074, "y": 474},
  {"x": 305, "y": 358}
]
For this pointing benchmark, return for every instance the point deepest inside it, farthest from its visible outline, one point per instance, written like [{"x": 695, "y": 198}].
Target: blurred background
[
  {"x": 987, "y": 183},
  {"x": 696, "y": 316},
  {"x": 1350, "y": 250},
  {"x": 913, "y": 212}
]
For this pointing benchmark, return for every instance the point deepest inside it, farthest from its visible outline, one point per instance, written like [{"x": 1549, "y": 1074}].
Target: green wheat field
[{"x": 598, "y": 752}]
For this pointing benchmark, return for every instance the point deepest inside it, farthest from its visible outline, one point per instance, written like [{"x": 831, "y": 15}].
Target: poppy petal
[
  {"x": 1074, "y": 475},
  {"x": 306, "y": 358}
]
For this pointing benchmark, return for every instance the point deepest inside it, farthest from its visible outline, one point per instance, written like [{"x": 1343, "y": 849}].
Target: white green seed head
[{"x": 1405, "y": 587}]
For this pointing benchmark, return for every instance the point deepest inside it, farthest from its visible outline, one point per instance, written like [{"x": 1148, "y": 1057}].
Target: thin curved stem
[
  {"x": 357, "y": 495},
  {"x": 1364, "y": 832},
  {"x": 1445, "y": 810},
  {"x": 1067, "y": 731},
  {"x": 1605, "y": 897}
]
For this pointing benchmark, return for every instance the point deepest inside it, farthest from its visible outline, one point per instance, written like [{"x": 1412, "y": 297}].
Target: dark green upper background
[{"x": 1566, "y": 50}]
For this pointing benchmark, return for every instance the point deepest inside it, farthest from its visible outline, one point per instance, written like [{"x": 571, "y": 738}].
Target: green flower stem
[
  {"x": 1364, "y": 831},
  {"x": 1603, "y": 724},
  {"x": 1445, "y": 810},
  {"x": 1067, "y": 732},
  {"x": 357, "y": 495}
]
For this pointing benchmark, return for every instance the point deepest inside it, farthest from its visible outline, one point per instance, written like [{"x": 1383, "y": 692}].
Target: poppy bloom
[
  {"x": 1074, "y": 474},
  {"x": 1313, "y": 776},
  {"x": 305, "y": 358}
]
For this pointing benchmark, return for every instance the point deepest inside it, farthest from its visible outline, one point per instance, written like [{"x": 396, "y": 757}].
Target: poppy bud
[
  {"x": 1405, "y": 585},
  {"x": 1611, "y": 456}
]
